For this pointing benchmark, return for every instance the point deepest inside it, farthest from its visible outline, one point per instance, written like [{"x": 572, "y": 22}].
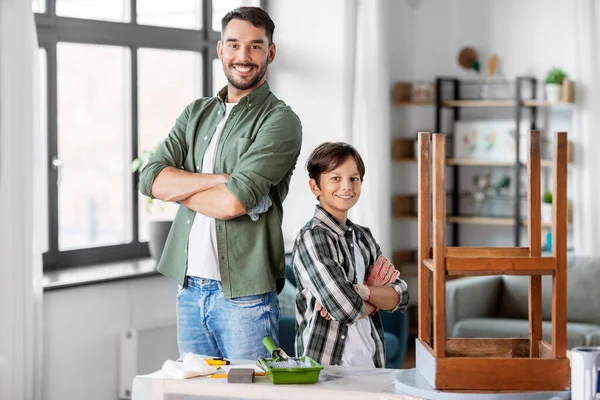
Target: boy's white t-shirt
[
  {"x": 203, "y": 257},
  {"x": 360, "y": 347}
]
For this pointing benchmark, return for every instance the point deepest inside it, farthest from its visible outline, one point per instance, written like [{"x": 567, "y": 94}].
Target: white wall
[
  {"x": 309, "y": 74},
  {"x": 528, "y": 36},
  {"x": 82, "y": 330}
]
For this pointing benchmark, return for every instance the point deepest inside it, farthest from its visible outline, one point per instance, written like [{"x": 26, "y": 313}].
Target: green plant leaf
[
  {"x": 136, "y": 164},
  {"x": 555, "y": 76}
]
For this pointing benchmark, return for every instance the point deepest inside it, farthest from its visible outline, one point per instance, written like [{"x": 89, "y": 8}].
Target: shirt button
[
  {"x": 205, "y": 137},
  {"x": 219, "y": 112},
  {"x": 220, "y": 227},
  {"x": 343, "y": 336},
  {"x": 185, "y": 251},
  {"x": 350, "y": 229},
  {"x": 197, "y": 167},
  {"x": 188, "y": 221},
  {"x": 351, "y": 244},
  {"x": 249, "y": 104}
]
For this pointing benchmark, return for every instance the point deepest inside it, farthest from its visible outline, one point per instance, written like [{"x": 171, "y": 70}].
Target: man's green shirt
[{"x": 258, "y": 148}]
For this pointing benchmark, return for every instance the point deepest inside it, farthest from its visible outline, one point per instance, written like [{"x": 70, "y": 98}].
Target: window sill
[{"x": 100, "y": 273}]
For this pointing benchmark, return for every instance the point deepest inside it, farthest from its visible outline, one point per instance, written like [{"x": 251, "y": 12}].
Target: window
[
  {"x": 115, "y": 76},
  {"x": 106, "y": 10},
  {"x": 182, "y": 79}
]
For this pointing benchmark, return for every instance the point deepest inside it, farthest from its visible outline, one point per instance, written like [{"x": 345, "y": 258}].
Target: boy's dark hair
[
  {"x": 255, "y": 15},
  {"x": 330, "y": 155}
]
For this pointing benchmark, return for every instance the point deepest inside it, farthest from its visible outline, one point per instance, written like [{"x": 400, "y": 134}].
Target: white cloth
[
  {"x": 586, "y": 213},
  {"x": 360, "y": 347},
  {"x": 21, "y": 188},
  {"x": 369, "y": 40},
  {"x": 203, "y": 257},
  {"x": 192, "y": 365}
]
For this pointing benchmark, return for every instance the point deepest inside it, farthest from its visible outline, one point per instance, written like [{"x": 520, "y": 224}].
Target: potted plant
[
  {"x": 159, "y": 223},
  {"x": 553, "y": 82},
  {"x": 547, "y": 207}
]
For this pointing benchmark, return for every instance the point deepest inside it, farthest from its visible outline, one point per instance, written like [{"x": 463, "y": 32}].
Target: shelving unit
[
  {"x": 449, "y": 97},
  {"x": 404, "y": 206},
  {"x": 404, "y": 156}
]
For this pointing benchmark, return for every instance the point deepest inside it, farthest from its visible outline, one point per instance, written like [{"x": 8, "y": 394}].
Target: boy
[{"x": 342, "y": 277}]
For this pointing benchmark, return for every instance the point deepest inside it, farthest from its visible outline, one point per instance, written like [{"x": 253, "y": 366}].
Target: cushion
[
  {"x": 392, "y": 348},
  {"x": 577, "y": 333}
]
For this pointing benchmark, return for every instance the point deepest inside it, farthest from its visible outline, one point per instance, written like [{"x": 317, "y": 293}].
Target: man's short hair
[
  {"x": 255, "y": 15},
  {"x": 330, "y": 155}
]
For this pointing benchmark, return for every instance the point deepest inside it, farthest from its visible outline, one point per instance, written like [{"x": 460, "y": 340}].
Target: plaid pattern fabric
[{"x": 324, "y": 267}]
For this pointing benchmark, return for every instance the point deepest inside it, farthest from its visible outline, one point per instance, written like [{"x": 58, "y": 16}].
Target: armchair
[{"x": 395, "y": 325}]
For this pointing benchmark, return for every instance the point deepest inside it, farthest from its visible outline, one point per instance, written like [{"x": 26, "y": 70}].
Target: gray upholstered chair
[{"x": 496, "y": 306}]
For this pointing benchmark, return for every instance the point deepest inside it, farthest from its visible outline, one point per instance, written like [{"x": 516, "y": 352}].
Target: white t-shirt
[
  {"x": 203, "y": 257},
  {"x": 360, "y": 347}
]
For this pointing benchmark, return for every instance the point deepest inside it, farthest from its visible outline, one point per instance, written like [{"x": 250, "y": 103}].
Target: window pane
[
  {"x": 222, "y": 7},
  {"x": 95, "y": 180},
  {"x": 105, "y": 10},
  {"x": 39, "y": 6},
  {"x": 219, "y": 78},
  {"x": 168, "y": 81},
  {"x": 177, "y": 14}
]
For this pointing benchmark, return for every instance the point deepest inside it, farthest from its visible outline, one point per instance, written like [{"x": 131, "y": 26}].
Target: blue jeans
[{"x": 211, "y": 325}]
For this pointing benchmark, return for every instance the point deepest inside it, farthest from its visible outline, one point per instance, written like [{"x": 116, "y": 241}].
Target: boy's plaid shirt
[{"x": 323, "y": 260}]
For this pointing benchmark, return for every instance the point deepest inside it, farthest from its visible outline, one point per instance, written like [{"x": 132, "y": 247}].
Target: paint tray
[{"x": 283, "y": 369}]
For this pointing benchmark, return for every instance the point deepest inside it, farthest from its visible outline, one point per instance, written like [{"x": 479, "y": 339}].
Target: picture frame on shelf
[{"x": 490, "y": 140}]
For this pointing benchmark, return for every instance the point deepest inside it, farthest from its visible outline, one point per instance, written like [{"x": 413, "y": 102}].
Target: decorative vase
[
  {"x": 158, "y": 232},
  {"x": 553, "y": 92}
]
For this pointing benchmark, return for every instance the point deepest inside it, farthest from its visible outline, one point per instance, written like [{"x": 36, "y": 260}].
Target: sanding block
[{"x": 240, "y": 375}]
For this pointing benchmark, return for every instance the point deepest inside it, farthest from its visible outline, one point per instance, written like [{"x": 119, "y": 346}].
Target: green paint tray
[{"x": 283, "y": 369}]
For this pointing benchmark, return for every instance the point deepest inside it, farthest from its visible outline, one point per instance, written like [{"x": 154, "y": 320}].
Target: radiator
[{"x": 143, "y": 351}]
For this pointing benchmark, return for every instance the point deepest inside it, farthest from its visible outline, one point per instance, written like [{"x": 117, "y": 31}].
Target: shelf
[
  {"x": 503, "y": 103},
  {"x": 478, "y": 163},
  {"x": 414, "y": 103},
  {"x": 479, "y": 103},
  {"x": 505, "y": 221},
  {"x": 405, "y": 160},
  {"x": 475, "y": 163},
  {"x": 485, "y": 163},
  {"x": 544, "y": 103}
]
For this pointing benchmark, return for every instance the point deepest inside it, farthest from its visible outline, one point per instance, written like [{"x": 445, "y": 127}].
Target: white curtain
[
  {"x": 586, "y": 185},
  {"x": 20, "y": 252},
  {"x": 369, "y": 111}
]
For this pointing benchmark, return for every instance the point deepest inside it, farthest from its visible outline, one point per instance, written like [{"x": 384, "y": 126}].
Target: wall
[{"x": 82, "y": 330}]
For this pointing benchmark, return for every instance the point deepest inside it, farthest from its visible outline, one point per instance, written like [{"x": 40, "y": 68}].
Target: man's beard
[{"x": 241, "y": 85}]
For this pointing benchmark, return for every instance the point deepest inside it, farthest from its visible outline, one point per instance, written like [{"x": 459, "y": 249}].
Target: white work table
[{"x": 334, "y": 383}]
